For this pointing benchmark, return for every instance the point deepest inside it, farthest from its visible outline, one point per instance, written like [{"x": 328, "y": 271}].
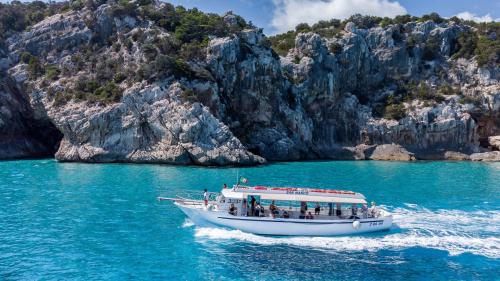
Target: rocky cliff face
[{"x": 238, "y": 102}]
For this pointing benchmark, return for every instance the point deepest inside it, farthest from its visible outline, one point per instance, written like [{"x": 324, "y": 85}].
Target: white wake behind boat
[{"x": 287, "y": 211}]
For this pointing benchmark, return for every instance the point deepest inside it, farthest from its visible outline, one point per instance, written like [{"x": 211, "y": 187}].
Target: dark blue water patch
[{"x": 103, "y": 222}]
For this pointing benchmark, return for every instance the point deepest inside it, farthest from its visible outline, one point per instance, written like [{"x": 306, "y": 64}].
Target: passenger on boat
[
  {"x": 364, "y": 211},
  {"x": 244, "y": 208},
  {"x": 338, "y": 210},
  {"x": 354, "y": 209},
  {"x": 273, "y": 209},
  {"x": 302, "y": 214},
  {"x": 303, "y": 206},
  {"x": 205, "y": 197},
  {"x": 286, "y": 215},
  {"x": 257, "y": 210},
  {"x": 330, "y": 209},
  {"x": 309, "y": 216},
  {"x": 374, "y": 210},
  {"x": 303, "y": 209},
  {"x": 262, "y": 211},
  {"x": 233, "y": 210},
  {"x": 252, "y": 206},
  {"x": 224, "y": 186},
  {"x": 317, "y": 209}
]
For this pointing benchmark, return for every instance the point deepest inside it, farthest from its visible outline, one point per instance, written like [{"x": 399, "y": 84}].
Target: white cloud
[
  {"x": 476, "y": 18},
  {"x": 289, "y": 13}
]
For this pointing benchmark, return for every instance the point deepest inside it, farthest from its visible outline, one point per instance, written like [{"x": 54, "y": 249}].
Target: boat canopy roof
[{"x": 295, "y": 194}]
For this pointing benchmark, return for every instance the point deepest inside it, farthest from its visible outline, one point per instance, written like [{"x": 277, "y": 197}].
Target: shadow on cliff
[{"x": 23, "y": 133}]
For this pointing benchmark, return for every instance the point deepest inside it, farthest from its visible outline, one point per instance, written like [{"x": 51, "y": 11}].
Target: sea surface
[{"x": 70, "y": 221}]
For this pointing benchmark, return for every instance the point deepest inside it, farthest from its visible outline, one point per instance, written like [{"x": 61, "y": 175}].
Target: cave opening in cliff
[
  {"x": 487, "y": 125},
  {"x": 47, "y": 134}
]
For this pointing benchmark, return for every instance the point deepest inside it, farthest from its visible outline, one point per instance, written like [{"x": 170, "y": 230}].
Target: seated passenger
[
  {"x": 272, "y": 208},
  {"x": 233, "y": 210},
  {"x": 302, "y": 214},
  {"x": 309, "y": 216},
  {"x": 262, "y": 211},
  {"x": 257, "y": 210},
  {"x": 286, "y": 215}
]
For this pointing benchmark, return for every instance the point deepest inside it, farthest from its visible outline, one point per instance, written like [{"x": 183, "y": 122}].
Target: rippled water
[{"x": 94, "y": 222}]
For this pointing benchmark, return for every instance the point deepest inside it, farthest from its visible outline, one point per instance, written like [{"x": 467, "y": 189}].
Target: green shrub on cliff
[
  {"x": 35, "y": 68},
  {"x": 475, "y": 100},
  {"x": 431, "y": 49},
  {"x": 448, "y": 90},
  {"x": 52, "y": 72},
  {"x": 466, "y": 45},
  {"x": 488, "y": 51},
  {"x": 281, "y": 43},
  {"x": 17, "y": 16},
  {"x": 435, "y": 17},
  {"x": 108, "y": 93},
  {"x": 88, "y": 89},
  {"x": 25, "y": 57},
  {"x": 395, "y": 111},
  {"x": 363, "y": 22},
  {"x": 422, "y": 91},
  {"x": 195, "y": 25},
  {"x": 484, "y": 44}
]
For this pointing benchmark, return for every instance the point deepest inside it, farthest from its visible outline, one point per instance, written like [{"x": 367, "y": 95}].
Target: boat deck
[{"x": 294, "y": 213}]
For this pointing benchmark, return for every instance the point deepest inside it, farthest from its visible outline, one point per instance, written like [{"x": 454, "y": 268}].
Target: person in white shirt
[
  {"x": 373, "y": 210},
  {"x": 364, "y": 210},
  {"x": 205, "y": 197}
]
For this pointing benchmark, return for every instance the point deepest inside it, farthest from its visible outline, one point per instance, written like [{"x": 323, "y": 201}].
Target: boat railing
[
  {"x": 294, "y": 213},
  {"x": 196, "y": 195}
]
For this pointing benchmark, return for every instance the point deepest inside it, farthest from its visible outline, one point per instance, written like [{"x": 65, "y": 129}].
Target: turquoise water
[{"x": 103, "y": 222}]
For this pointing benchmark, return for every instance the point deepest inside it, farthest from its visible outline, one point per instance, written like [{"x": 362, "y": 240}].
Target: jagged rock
[
  {"x": 54, "y": 34},
  {"x": 491, "y": 156},
  {"x": 454, "y": 155},
  {"x": 150, "y": 125},
  {"x": 389, "y": 152},
  {"x": 494, "y": 142}
]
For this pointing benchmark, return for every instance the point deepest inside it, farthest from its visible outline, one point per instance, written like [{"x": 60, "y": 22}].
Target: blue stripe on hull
[{"x": 304, "y": 221}]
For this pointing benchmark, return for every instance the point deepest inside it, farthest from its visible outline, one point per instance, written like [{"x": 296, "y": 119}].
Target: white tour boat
[{"x": 286, "y": 211}]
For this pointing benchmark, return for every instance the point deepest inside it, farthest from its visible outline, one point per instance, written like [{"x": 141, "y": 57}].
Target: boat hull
[{"x": 285, "y": 227}]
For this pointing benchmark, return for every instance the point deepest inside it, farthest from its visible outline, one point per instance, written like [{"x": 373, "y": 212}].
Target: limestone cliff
[{"x": 123, "y": 86}]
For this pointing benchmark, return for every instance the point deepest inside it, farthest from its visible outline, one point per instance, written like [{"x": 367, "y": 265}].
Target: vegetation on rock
[
  {"x": 179, "y": 36},
  {"x": 481, "y": 42},
  {"x": 18, "y": 16}
]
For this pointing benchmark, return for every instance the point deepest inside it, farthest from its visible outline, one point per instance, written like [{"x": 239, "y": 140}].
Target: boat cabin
[{"x": 293, "y": 202}]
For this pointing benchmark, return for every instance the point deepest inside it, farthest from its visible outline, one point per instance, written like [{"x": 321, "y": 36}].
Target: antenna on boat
[{"x": 237, "y": 177}]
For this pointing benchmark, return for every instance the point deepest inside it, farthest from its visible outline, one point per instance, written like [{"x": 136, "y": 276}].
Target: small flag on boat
[{"x": 243, "y": 180}]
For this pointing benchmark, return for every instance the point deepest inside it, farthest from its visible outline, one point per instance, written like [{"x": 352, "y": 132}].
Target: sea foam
[{"x": 454, "y": 231}]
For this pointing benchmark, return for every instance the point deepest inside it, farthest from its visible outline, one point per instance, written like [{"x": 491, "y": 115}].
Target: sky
[{"x": 277, "y": 16}]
